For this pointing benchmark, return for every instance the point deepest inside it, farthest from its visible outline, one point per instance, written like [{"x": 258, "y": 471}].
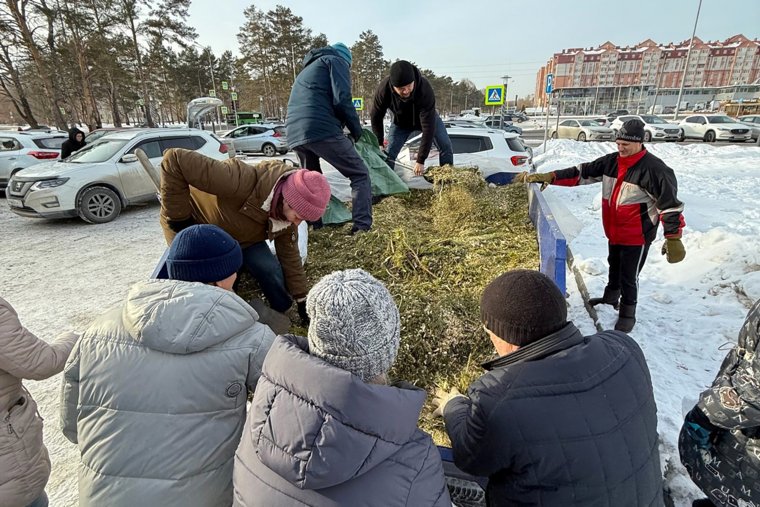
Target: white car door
[
  {"x": 135, "y": 183},
  {"x": 10, "y": 150},
  {"x": 700, "y": 127}
]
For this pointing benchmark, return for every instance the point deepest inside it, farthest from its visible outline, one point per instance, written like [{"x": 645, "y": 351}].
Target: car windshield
[
  {"x": 654, "y": 120},
  {"x": 588, "y": 123},
  {"x": 99, "y": 151},
  {"x": 720, "y": 119}
]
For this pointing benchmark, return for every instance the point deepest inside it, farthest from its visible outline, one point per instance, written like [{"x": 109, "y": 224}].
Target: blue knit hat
[
  {"x": 203, "y": 253},
  {"x": 343, "y": 51}
]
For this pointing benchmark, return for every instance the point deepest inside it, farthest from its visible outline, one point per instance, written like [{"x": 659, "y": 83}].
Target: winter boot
[
  {"x": 611, "y": 297},
  {"x": 626, "y": 318},
  {"x": 278, "y": 322}
]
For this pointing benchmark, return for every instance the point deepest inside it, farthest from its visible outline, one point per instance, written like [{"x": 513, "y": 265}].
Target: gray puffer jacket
[
  {"x": 317, "y": 435},
  {"x": 155, "y": 395},
  {"x": 24, "y": 461}
]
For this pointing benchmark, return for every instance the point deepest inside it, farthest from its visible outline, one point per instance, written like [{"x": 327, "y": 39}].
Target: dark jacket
[
  {"x": 730, "y": 466},
  {"x": 415, "y": 113},
  {"x": 565, "y": 421},
  {"x": 637, "y": 192},
  {"x": 235, "y": 196},
  {"x": 71, "y": 145},
  {"x": 320, "y": 102},
  {"x": 317, "y": 435}
]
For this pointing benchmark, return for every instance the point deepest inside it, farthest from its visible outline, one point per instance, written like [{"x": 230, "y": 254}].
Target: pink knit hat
[{"x": 307, "y": 192}]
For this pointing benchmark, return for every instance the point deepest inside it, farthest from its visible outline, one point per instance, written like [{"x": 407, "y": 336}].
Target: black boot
[
  {"x": 611, "y": 297},
  {"x": 626, "y": 318}
]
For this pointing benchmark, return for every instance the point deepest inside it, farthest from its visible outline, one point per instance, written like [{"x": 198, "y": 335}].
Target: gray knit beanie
[{"x": 354, "y": 323}]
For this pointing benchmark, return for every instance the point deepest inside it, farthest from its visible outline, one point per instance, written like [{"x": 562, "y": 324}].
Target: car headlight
[
  {"x": 659, "y": 128},
  {"x": 724, "y": 129},
  {"x": 57, "y": 182}
]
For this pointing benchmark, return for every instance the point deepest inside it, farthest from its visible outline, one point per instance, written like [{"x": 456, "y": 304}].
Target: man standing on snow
[
  {"x": 319, "y": 107},
  {"x": 558, "y": 419},
  {"x": 638, "y": 191},
  {"x": 411, "y": 100}
]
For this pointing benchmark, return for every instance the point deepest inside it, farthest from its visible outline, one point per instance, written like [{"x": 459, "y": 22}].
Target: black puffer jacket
[
  {"x": 71, "y": 145},
  {"x": 565, "y": 421}
]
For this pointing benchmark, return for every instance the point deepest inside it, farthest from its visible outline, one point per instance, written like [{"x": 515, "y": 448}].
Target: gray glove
[{"x": 278, "y": 322}]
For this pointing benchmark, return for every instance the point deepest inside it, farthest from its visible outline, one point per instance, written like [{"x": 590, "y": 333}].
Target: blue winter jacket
[{"x": 320, "y": 101}]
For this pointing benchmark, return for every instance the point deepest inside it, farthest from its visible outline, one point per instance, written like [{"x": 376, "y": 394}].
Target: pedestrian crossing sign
[
  {"x": 358, "y": 103},
  {"x": 495, "y": 95}
]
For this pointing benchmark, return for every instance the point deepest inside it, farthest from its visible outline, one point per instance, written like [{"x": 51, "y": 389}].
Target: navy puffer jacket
[
  {"x": 318, "y": 435},
  {"x": 320, "y": 102},
  {"x": 565, "y": 421}
]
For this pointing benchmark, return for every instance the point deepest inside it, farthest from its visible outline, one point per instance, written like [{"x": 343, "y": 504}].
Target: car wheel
[
  {"x": 268, "y": 150},
  {"x": 582, "y": 136},
  {"x": 98, "y": 205},
  {"x": 647, "y": 136},
  {"x": 710, "y": 136},
  {"x": 554, "y": 135}
]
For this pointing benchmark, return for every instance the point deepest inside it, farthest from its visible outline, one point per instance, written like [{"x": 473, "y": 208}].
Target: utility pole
[{"x": 686, "y": 66}]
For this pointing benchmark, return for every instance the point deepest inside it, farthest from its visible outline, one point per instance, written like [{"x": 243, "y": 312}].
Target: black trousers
[{"x": 625, "y": 265}]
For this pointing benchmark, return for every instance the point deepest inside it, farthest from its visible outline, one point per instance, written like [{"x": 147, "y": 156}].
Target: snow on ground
[
  {"x": 689, "y": 314},
  {"x": 60, "y": 275}
]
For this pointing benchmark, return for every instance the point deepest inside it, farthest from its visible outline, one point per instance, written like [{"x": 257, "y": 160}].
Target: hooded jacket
[
  {"x": 565, "y": 421},
  {"x": 24, "y": 461},
  {"x": 71, "y": 145},
  {"x": 415, "y": 113},
  {"x": 317, "y": 435},
  {"x": 155, "y": 395},
  {"x": 235, "y": 196},
  {"x": 730, "y": 466},
  {"x": 320, "y": 102}
]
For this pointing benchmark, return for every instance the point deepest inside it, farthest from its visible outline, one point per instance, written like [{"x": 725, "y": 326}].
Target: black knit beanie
[
  {"x": 402, "y": 73},
  {"x": 632, "y": 130},
  {"x": 522, "y": 306}
]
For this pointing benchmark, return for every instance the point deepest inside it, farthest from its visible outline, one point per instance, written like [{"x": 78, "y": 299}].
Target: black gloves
[
  {"x": 305, "y": 320},
  {"x": 178, "y": 225}
]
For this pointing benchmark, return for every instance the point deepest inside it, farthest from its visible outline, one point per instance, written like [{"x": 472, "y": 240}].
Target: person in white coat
[
  {"x": 155, "y": 393},
  {"x": 24, "y": 461}
]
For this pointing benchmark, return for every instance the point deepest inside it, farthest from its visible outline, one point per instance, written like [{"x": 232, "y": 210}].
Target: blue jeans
[
  {"x": 267, "y": 271},
  {"x": 397, "y": 136},
  {"x": 340, "y": 153},
  {"x": 41, "y": 501}
]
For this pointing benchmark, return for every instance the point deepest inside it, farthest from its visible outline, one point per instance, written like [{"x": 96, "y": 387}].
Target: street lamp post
[
  {"x": 686, "y": 66},
  {"x": 506, "y": 79}
]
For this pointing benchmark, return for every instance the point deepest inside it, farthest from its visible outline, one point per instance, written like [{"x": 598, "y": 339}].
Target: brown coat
[
  {"x": 235, "y": 196},
  {"x": 24, "y": 461}
]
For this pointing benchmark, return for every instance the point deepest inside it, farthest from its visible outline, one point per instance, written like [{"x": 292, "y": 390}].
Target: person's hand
[
  {"x": 442, "y": 397},
  {"x": 356, "y": 137},
  {"x": 699, "y": 428},
  {"x": 178, "y": 225},
  {"x": 673, "y": 250},
  {"x": 419, "y": 169},
  {"x": 305, "y": 320},
  {"x": 526, "y": 177}
]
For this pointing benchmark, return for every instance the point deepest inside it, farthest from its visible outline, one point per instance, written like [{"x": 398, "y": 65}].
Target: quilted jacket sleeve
[
  {"x": 70, "y": 397},
  {"x": 429, "y": 487},
  {"x": 264, "y": 339},
  {"x": 25, "y": 356}
]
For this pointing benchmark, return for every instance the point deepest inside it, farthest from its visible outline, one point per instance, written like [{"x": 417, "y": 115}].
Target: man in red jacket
[{"x": 638, "y": 191}]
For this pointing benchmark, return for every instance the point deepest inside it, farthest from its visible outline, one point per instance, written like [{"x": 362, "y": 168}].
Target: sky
[
  {"x": 483, "y": 41},
  {"x": 687, "y": 313}
]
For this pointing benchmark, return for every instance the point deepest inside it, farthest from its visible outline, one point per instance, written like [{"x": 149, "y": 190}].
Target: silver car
[
  {"x": 752, "y": 121},
  {"x": 582, "y": 130},
  {"x": 266, "y": 139},
  {"x": 19, "y": 150}
]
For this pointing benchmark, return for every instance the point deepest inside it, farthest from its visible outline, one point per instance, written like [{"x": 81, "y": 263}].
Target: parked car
[
  {"x": 498, "y": 155},
  {"x": 96, "y": 182},
  {"x": 655, "y": 128},
  {"x": 19, "y": 150},
  {"x": 711, "y": 128},
  {"x": 98, "y": 133},
  {"x": 506, "y": 126},
  {"x": 582, "y": 130},
  {"x": 753, "y": 122},
  {"x": 266, "y": 139},
  {"x": 617, "y": 113}
]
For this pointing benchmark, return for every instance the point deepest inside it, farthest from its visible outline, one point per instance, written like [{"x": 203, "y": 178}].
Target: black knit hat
[
  {"x": 402, "y": 73},
  {"x": 203, "y": 253},
  {"x": 632, "y": 130},
  {"x": 522, "y": 306}
]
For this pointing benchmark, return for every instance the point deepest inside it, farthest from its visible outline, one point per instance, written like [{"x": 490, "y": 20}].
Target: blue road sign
[
  {"x": 549, "y": 83},
  {"x": 494, "y": 95},
  {"x": 358, "y": 103}
]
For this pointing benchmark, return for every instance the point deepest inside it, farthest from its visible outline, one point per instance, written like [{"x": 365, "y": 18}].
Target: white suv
[
  {"x": 19, "y": 150},
  {"x": 497, "y": 154},
  {"x": 96, "y": 182},
  {"x": 712, "y": 128},
  {"x": 655, "y": 128}
]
